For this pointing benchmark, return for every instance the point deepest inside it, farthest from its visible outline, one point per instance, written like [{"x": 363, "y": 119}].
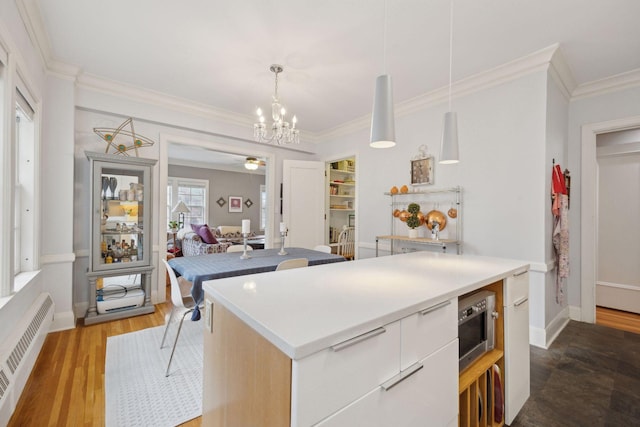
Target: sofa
[{"x": 192, "y": 243}]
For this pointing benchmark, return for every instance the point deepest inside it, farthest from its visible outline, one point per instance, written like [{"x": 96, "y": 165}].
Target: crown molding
[
  {"x": 607, "y": 85},
  {"x": 561, "y": 73},
  {"x": 135, "y": 93},
  {"x": 63, "y": 70},
  {"x": 33, "y": 23},
  {"x": 501, "y": 74}
]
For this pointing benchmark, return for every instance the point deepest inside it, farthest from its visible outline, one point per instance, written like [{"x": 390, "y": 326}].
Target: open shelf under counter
[{"x": 443, "y": 243}]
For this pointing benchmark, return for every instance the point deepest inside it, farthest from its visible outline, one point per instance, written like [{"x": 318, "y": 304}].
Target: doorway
[
  {"x": 223, "y": 149},
  {"x": 589, "y": 209},
  {"x": 618, "y": 277}
]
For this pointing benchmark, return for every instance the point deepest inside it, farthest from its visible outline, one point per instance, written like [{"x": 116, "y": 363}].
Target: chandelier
[{"x": 281, "y": 131}]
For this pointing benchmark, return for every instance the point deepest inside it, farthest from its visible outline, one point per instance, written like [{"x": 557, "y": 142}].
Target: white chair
[
  {"x": 238, "y": 248},
  {"x": 346, "y": 243},
  {"x": 323, "y": 248},
  {"x": 292, "y": 263},
  {"x": 180, "y": 301}
]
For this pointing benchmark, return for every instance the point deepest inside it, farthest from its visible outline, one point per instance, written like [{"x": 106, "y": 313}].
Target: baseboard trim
[
  {"x": 575, "y": 313},
  {"x": 80, "y": 309},
  {"x": 63, "y": 321},
  {"x": 543, "y": 338}
]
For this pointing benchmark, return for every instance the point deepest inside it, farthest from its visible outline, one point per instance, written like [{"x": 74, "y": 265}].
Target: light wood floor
[
  {"x": 66, "y": 386},
  {"x": 618, "y": 319}
]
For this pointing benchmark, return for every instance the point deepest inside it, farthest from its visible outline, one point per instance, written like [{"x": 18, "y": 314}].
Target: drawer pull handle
[
  {"x": 520, "y": 302},
  {"x": 359, "y": 338},
  {"x": 435, "y": 307},
  {"x": 519, "y": 274},
  {"x": 401, "y": 376}
]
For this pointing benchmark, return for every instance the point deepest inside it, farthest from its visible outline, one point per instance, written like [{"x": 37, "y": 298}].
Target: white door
[{"x": 303, "y": 202}]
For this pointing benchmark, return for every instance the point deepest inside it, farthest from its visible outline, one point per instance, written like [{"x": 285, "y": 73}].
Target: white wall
[
  {"x": 58, "y": 198},
  {"x": 502, "y": 146},
  {"x": 224, "y": 184},
  {"x": 555, "y": 299}
]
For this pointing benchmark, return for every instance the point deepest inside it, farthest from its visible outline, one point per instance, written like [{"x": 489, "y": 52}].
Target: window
[
  {"x": 18, "y": 184},
  {"x": 194, "y": 193},
  {"x": 24, "y": 184}
]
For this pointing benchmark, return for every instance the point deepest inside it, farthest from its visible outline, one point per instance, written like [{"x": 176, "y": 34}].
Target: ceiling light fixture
[
  {"x": 449, "y": 144},
  {"x": 281, "y": 131},
  {"x": 383, "y": 131},
  {"x": 251, "y": 163}
]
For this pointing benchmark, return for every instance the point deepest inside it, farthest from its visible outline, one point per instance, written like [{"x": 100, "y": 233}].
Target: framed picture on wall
[
  {"x": 422, "y": 171},
  {"x": 235, "y": 204}
]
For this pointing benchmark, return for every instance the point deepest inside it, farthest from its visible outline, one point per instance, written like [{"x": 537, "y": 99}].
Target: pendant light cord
[
  {"x": 450, "y": 50},
  {"x": 384, "y": 40}
]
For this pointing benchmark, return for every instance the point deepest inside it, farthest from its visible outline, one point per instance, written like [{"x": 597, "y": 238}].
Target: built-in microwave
[{"x": 476, "y": 320}]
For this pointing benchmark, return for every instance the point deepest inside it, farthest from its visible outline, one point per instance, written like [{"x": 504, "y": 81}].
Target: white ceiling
[
  {"x": 193, "y": 156},
  {"x": 219, "y": 52}
]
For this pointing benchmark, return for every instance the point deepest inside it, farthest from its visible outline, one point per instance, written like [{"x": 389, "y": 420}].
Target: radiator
[{"x": 22, "y": 350}]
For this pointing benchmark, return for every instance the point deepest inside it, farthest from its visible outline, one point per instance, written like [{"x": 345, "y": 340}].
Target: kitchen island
[{"x": 369, "y": 342}]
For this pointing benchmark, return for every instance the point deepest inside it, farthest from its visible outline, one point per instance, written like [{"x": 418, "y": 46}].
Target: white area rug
[{"x": 136, "y": 391}]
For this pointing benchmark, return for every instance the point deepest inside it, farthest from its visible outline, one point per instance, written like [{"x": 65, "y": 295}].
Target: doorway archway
[{"x": 589, "y": 211}]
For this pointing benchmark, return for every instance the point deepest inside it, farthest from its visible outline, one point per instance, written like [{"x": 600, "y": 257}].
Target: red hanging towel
[{"x": 558, "y": 184}]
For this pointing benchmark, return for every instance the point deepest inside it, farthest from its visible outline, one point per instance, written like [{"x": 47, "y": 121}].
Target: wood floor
[
  {"x": 617, "y": 319},
  {"x": 66, "y": 386}
]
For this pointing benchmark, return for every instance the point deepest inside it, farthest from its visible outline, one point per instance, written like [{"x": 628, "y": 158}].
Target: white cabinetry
[
  {"x": 516, "y": 342},
  {"x": 401, "y": 374},
  {"x": 425, "y": 395}
]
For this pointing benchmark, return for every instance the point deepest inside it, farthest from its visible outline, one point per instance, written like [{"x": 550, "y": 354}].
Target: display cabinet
[
  {"x": 341, "y": 196},
  {"x": 120, "y": 268},
  {"x": 445, "y": 204}
]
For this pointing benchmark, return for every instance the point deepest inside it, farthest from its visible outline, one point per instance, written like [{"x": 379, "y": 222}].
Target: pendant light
[
  {"x": 449, "y": 145},
  {"x": 383, "y": 131}
]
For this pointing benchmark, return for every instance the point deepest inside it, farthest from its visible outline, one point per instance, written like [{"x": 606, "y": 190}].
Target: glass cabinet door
[{"x": 121, "y": 220}]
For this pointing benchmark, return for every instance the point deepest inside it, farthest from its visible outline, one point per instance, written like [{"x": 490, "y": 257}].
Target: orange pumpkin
[
  {"x": 404, "y": 189},
  {"x": 394, "y": 190},
  {"x": 396, "y": 213},
  {"x": 403, "y": 216}
]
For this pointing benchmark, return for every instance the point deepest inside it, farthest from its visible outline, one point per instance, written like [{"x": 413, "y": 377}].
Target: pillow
[
  {"x": 206, "y": 234},
  {"x": 196, "y": 227}
]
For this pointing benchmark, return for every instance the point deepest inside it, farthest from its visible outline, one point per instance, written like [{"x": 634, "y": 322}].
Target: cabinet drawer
[
  {"x": 516, "y": 288},
  {"x": 427, "y": 330},
  {"x": 428, "y": 397},
  {"x": 326, "y": 381}
]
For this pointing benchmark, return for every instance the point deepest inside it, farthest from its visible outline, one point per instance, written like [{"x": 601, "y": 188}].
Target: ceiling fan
[{"x": 252, "y": 163}]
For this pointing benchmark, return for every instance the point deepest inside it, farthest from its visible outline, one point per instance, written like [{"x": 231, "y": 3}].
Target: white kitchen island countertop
[{"x": 305, "y": 310}]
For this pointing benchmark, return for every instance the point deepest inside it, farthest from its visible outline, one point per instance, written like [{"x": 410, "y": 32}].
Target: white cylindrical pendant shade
[
  {"x": 449, "y": 144},
  {"x": 383, "y": 130}
]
